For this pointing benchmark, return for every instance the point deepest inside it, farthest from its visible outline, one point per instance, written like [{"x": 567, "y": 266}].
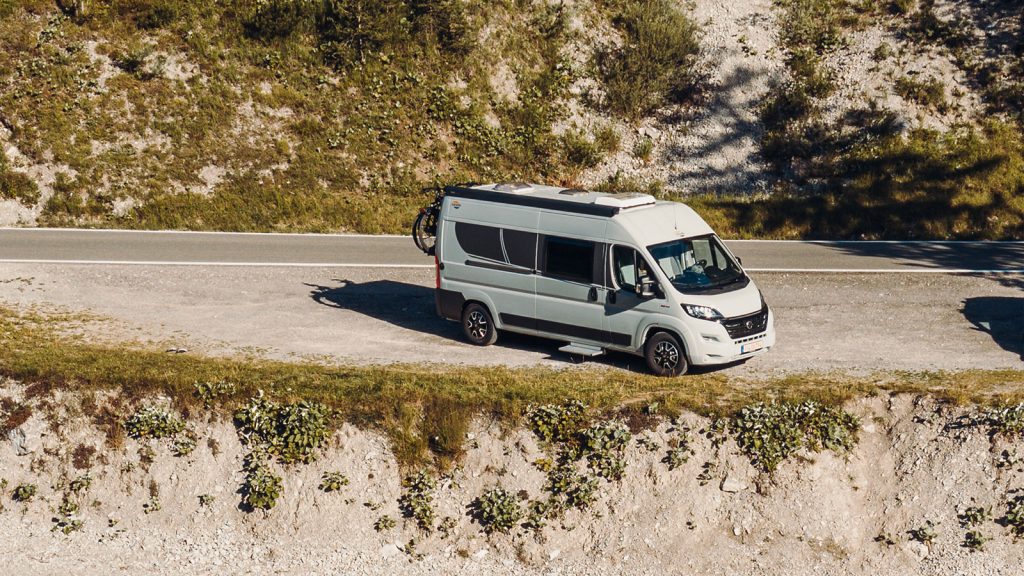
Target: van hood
[{"x": 746, "y": 300}]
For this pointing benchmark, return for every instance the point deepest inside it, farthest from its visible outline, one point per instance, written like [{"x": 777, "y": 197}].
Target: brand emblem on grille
[{"x": 749, "y": 324}]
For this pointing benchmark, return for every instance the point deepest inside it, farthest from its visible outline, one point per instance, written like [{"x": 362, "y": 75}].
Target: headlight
[{"x": 702, "y": 312}]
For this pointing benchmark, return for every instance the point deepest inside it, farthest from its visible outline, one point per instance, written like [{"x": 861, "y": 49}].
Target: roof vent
[
  {"x": 513, "y": 187},
  {"x": 573, "y": 192},
  {"x": 625, "y": 200}
]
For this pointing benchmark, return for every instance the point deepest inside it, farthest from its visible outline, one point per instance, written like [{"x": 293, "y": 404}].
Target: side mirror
[{"x": 740, "y": 260}]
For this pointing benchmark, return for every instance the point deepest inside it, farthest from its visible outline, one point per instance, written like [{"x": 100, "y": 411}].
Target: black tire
[
  {"x": 665, "y": 355},
  {"x": 478, "y": 325},
  {"x": 424, "y": 231}
]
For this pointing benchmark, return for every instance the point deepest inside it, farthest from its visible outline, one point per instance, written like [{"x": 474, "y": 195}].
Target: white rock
[
  {"x": 389, "y": 550},
  {"x": 732, "y": 484}
]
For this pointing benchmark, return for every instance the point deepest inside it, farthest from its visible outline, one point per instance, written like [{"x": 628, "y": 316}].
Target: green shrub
[
  {"x": 974, "y": 515},
  {"x": 384, "y": 523},
  {"x": 290, "y": 432},
  {"x": 210, "y": 392},
  {"x": 333, "y": 481},
  {"x": 580, "y": 153},
  {"x": 80, "y": 484},
  {"x": 153, "y": 422},
  {"x": 24, "y": 492},
  {"x": 570, "y": 489},
  {"x": 417, "y": 499},
  {"x": 497, "y": 510},
  {"x": 1014, "y": 518},
  {"x": 1006, "y": 420},
  {"x": 975, "y": 541},
  {"x": 657, "y": 63},
  {"x": 557, "y": 422},
  {"x": 206, "y": 500},
  {"x": 643, "y": 148},
  {"x": 148, "y": 14},
  {"x": 269, "y": 19},
  {"x": 770, "y": 433},
  {"x": 603, "y": 446},
  {"x": 184, "y": 444},
  {"x": 924, "y": 534},
  {"x": 16, "y": 186},
  {"x": 261, "y": 487}
]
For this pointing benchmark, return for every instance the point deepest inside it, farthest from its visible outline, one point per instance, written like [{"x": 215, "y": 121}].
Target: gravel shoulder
[{"x": 856, "y": 323}]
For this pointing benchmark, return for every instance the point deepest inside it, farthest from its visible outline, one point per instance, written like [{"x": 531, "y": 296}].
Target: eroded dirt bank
[{"x": 916, "y": 462}]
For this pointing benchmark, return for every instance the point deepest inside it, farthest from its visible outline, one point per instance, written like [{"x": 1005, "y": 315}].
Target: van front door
[
  {"x": 570, "y": 289},
  {"x": 625, "y": 308}
]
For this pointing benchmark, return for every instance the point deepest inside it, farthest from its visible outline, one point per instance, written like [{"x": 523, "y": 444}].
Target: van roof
[
  {"x": 554, "y": 198},
  {"x": 645, "y": 219}
]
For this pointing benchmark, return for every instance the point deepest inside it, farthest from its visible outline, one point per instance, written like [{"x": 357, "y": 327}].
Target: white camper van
[{"x": 598, "y": 271}]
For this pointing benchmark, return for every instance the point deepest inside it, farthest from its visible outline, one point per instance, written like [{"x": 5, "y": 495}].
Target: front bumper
[{"x": 715, "y": 346}]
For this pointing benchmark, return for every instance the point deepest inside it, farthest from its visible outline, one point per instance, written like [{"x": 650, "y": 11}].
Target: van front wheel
[
  {"x": 478, "y": 325},
  {"x": 665, "y": 355}
]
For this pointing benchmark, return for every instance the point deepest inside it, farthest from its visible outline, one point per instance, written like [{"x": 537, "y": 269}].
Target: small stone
[
  {"x": 17, "y": 438},
  {"x": 389, "y": 550},
  {"x": 869, "y": 428},
  {"x": 919, "y": 549},
  {"x": 736, "y": 530},
  {"x": 554, "y": 554},
  {"x": 479, "y": 554},
  {"x": 732, "y": 485}
]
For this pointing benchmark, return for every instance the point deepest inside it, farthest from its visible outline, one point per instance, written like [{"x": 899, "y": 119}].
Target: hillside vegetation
[{"x": 882, "y": 119}]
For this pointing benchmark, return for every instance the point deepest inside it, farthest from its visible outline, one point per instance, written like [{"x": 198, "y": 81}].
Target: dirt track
[{"x": 849, "y": 322}]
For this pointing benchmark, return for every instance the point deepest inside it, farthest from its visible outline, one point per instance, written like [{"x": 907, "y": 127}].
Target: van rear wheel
[
  {"x": 478, "y": 325},
  {"x": 665, "y": 355}
]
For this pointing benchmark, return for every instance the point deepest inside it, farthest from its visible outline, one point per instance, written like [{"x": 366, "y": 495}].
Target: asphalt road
[{"x": 38, "y": 245}]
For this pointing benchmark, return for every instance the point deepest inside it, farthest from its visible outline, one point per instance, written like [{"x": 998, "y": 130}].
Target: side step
[{"x": 581, "y": 350}]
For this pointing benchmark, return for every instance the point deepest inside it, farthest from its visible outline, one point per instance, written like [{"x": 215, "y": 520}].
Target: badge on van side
[{"x": 456, "y": 204}]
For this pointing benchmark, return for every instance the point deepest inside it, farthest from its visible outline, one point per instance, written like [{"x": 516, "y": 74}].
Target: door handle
[
  {"x": 611, "y": 297},
  {"x": 592, "y": 294}
]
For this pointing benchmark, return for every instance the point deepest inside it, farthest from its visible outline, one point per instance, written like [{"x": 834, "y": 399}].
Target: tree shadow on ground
[{"x": 1001, "y": 317}]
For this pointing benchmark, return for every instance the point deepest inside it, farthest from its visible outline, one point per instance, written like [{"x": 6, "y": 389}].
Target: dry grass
[{"x": 426, "y": 411}]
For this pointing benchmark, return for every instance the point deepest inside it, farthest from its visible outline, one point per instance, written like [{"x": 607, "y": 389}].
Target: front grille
[{"x": 743, "y": 326}]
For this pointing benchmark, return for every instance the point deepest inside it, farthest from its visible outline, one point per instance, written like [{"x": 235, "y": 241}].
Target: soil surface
[
  {"x": 856, "y": 323},
  {"x": 821, "y": 513}
]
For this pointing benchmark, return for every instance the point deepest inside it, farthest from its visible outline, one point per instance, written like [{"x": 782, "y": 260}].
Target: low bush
[
  {"x": 24, "y": 492},
  {"x": 556, "y": 422},
  {"x": 333, "y": 481},
  {"x": 290, "y": 432},
  {"x": 768, "y": 433},
  {"x": 657, "y": 64},
  {"x": 261, "y": 487},
  {"x": 152, "y": 422},
  {"x": 497, "y": 510},
  {"x": 929, "y": 92},
  {"x": 417, "y": 499}
]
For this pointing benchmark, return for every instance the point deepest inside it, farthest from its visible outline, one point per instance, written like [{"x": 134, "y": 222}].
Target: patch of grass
[
  {"x": 967, "y": 183},
  {"x": 929, "y": 92},
  {"x": 16, "y": 185},
  {"x": 656, "y": 65},
  {"x": 497, "y": 510},
  {"x": 384, "y": 523},
  {"x": 1007, "y": 421}
]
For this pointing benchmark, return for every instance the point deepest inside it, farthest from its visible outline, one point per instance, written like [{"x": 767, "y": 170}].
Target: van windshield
[{"x": 698, "y": 264}]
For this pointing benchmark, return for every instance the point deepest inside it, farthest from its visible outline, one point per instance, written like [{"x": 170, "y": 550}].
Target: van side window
[
  {"x": 629, "y": 268},
  {"x": 480, "y": 241},
  {"x": 569, "y": 259},
  {"x": 520, "y": 247}
]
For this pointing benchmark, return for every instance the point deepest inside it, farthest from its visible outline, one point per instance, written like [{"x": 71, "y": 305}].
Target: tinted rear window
[{"x": 480, "y": 241}]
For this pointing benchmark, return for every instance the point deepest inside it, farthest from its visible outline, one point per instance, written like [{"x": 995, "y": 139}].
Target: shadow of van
[
  {"x": 411, "y": 306},
  {"x": 1001, "y": 317}
]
